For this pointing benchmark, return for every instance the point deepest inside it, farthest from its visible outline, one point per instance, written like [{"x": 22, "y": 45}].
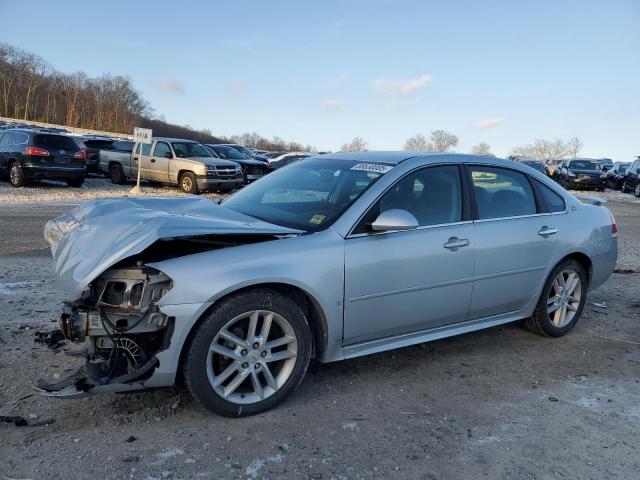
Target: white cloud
[
  {"x": 333, "y": 104},
  {"x": 489, "y": 122},
  {"x": 171, "y": 86},
  {"x": 400, "y": 87}
]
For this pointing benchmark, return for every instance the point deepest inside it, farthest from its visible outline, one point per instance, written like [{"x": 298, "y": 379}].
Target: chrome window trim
[{"x": 421, "y": 227}]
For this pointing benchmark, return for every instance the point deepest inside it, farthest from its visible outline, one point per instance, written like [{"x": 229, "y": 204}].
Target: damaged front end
[{"x": 121, "y": 328}]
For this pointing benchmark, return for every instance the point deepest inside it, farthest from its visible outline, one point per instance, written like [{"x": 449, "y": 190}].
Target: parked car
[
  {"x": 251, "y": 169},
  {"x": 535, "y": 164},
  {"x": 631, "y": 182},
  {"x": 245, "y": 151},
  {"x": 27, "y": 155},
  {"x": 581, "y": 174},
  {"x": 288, "y": 158},
  {"x": 333, "y": 257},
  {"x": 185, "y": 163},
  {"x": 615, "y": 175},
  {"x": 605, "y": 164}
]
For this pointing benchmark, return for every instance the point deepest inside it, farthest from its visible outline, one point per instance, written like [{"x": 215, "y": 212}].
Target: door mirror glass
[
  {"x": 168, "y": 154},
  {"x": 394, "y": 219}
]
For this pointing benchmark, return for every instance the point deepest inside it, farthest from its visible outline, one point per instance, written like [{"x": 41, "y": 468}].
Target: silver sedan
[{"x": 330, "y": 258}]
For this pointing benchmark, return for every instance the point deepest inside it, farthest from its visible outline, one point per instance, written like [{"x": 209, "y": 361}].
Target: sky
[{"x": 320, "y": 73}]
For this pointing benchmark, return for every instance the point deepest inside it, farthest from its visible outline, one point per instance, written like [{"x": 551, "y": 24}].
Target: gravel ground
[{"x": 502, "y": 403}]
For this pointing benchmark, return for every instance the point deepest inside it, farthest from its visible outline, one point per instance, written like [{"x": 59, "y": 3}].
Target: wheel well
[
  {"x": 583, "y": 260},
  {"x": 182, "y": 172},
  {"x": 309, "y": 305}
]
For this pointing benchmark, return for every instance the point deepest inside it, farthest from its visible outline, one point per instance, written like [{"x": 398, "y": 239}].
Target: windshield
[
  {"x": 308, "y": 195},
  {"x": 189, "y": 149},
  {"x": 583, "y": 165},
  {"x": 228, "y": 152}
]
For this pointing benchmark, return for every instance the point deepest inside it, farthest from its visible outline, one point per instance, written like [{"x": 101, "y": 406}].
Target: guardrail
[{"x": 76, "y": 130}]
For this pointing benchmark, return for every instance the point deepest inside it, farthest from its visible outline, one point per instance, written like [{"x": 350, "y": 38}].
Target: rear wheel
[
  {"x": 117, "y": 174},
  {"x": 636, "y": 192},
  {"x": 624, "y": 187},
  {"x": 188, "y": 183},
  {"x": 16, "y": 175},
  {"x": 249, "y": 353},
  {"x": 75, "y": 182},
  {"x": 562, "y": 300}
]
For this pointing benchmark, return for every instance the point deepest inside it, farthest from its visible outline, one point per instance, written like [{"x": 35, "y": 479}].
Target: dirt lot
[{"x": 503, "y": 403}]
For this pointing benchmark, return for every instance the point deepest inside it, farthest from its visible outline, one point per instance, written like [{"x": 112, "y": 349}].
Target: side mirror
[
  {"x": 394, "y": 219},
  {"x": 168, "y": 155}
]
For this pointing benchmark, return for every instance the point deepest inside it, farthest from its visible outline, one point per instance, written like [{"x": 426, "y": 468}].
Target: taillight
[
  {"x": 614, "y": 227},
  {"x": 81, "y": 154},
  {"x": 41, "y": 152}
]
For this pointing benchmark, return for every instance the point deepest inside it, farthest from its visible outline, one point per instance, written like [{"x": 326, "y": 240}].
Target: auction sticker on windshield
[{"x": 372, "y": 167}]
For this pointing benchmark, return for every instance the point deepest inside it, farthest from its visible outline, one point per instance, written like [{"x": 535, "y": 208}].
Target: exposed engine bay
[{"x": 118, "y": 319}]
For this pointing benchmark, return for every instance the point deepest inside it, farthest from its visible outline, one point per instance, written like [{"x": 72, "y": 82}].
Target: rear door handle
[
  {"x": 454, "y": 243},
  {"x": 153, "y": 160},
  {"x": 546, "y": 231}
]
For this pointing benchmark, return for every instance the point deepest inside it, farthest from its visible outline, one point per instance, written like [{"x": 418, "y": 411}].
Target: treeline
[{"x": 32, "y": 90}]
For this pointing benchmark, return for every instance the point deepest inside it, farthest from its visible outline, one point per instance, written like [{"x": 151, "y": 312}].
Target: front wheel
[
  {"x": 562, "y": 300},
  {"x": 636, "y": 192},
  {"x": 248, "y": 354},
  {"x": 188, "y": 183}
]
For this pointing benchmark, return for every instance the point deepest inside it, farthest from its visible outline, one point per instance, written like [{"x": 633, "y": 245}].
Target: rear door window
[
  {"x": 554, "y": 201},
  {"x": 501, "y": 192},
  {"x": 146, "y": 148},
  {"x": 55, "y": 142}
]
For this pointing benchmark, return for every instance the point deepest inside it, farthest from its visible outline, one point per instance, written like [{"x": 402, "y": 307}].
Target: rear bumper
[
  {"x": 54, "y": 172},
  {"x": 212, "y": 183}
]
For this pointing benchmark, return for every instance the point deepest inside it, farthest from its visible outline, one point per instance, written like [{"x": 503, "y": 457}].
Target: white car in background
[{"x": 287, "y": 158}]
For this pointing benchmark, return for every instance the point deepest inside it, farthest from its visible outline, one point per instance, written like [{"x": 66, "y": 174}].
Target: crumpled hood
[{"x": 91, "y": 238}]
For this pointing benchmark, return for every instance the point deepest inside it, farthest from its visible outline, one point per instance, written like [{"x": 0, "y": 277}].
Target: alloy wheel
[
  {"x": 637, "y": 190},
  {"x": 564, "y": 298},
  {"x": 14, "y": 174},
  {"x": 252, "y": 357}
]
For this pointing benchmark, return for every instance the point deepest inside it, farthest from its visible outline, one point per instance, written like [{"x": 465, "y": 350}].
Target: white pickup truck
[{"x": 185, "y": 163}]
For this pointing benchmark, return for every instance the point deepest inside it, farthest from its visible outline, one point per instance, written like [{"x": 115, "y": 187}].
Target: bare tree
[
  {"x": 443, "y": 141},
  {"x": 574, "y": 146},
  {"x": 356, "y": 145},
  {"x": 543, "y": 150},
  {"x": 418, "y": 143},
  {"x": 483, "y": 148}
]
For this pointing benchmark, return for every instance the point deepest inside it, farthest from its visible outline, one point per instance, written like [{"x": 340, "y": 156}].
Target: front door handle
[
  {"x": 454, "y": 243},
  {"x": 546, "y": 231}
]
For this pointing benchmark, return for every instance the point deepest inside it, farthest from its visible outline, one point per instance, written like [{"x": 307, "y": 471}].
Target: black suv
[
  {"x": 32, "y": 154},
  {"x": 581, "y": 174},
  {"x": 631, "y": 182}
]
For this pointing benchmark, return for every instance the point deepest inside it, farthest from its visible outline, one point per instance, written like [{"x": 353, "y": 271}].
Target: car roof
[
  {"x": 171, "y": 139},
  {"x": 374, "y": 157}
]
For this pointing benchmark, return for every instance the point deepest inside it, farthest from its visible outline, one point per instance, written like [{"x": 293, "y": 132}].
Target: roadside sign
[{"x": 142, "y": 135}]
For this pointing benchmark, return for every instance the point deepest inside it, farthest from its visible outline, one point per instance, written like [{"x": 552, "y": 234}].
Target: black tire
[
  {"x": 636, "y": 192},
  {"x": 196, "y": 355},
  {"x": 188, "y": 183},
  {"x": 624, "y": 188},
  {"x": 17, "y": 177},
  {"x": 75, "y": 182},
  {"x": 540, "y": 322},
  {"x": 116, "y": 173}
]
